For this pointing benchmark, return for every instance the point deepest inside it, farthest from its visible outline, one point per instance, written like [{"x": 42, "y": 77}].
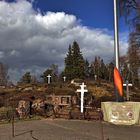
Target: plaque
[{"x": 122, "y": 113}]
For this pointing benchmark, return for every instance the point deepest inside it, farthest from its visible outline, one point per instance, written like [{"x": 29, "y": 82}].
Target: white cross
[
  {"x": 95, "y": 76},
  {"x": 127, "y": 89},
  {"x": 64, "y": 78},
  {"x": 49, "y": 78},
  {"x": 82, "y": 90}
]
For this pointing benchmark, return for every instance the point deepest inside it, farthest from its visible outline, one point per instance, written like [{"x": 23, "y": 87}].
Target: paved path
[{"x": 68, "y": 130}]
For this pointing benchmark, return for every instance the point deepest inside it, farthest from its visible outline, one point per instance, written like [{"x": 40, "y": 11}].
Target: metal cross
[
  {"x": 127, "y": 89},
  {"x": 82, "y": 90}
]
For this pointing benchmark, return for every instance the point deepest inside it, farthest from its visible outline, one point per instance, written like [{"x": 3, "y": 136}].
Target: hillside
[{"x": 100, "y": 91}]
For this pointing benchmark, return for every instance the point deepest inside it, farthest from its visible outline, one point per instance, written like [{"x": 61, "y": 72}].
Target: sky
[{"x": 36, "y": 33}]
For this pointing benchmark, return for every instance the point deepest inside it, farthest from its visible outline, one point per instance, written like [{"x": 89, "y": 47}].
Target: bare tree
[{"x": 130, "y": 9}]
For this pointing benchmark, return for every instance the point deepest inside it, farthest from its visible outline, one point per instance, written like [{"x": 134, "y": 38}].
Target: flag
[{"x": 118, "y": 81}]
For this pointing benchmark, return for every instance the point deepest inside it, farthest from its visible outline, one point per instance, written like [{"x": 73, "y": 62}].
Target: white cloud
[{"x": 32, "y": 41}]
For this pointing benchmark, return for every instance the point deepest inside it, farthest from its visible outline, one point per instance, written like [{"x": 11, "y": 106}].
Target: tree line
[{"x": 75, "y": 66}]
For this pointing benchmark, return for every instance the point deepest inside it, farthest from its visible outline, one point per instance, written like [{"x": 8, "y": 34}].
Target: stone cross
[
  {"x": 49, "y": 78},
  {"x": 82, "y": 90},
  {"x": 127, "y": 89},
  {"x": 64, "y": 78}
]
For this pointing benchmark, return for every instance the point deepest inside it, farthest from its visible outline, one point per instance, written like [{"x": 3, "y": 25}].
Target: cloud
[{"x": 31, "y": 41}]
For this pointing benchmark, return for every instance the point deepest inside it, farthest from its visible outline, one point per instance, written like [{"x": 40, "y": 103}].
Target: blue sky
[
  {"x": 36, "y": 33},
  {"x": 93, "y": 13}
]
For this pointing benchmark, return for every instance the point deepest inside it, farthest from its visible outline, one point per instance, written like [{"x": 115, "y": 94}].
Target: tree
[
  {"x": 3, "y": 74},
  {"x": 96, "y": 64},
  {"x": 45, "y": 74},
  {"x": 53, "y": 71},
  {"x": 103, "y": 70},
  {"x": 87, "y": 69},
  {"x": 124, "y": 68},
  {"x": 68, "y": 64},
  {"x": 110, "y": 71},
  {"x": 131, "y": 10},
  {"x": 134, "y": 56},
  {"x": 34, "y": 80},
  {"x": 26, "y": 78},
  {"x": 74, "y": 63}
]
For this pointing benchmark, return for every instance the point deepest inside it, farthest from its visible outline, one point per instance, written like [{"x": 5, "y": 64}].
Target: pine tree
[
  {"x": 53, "y": 71},
  {"x": 74, "y": 63},
  {"x": 87, "y": 69},
  {"x": 68, "y": 64},
  {"x": 45, "y": 74}
]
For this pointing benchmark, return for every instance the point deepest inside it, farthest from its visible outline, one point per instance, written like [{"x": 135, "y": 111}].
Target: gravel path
[{"x": 68, "y": 130}]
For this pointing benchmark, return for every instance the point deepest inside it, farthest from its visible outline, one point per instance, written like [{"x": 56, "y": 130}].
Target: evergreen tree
[
  {"x": 74, "y": 63},
  {"x": 87, "y": 69},
  {"x": 45, "y": 74},
  {"x": 53, "y": 71},
  {"x": 68, "y": 64}
]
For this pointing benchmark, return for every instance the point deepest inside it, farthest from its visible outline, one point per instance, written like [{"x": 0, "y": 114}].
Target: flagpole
[
  {"x": 116, "y": 40},
  {"x": 116, "y": 47}
]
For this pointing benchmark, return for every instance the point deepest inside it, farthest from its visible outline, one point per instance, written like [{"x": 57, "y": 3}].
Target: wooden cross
[
  {"x": 49, "y": 78},
  {"x": 127, "y": 89},
  {"x": 82, "y": 90}
]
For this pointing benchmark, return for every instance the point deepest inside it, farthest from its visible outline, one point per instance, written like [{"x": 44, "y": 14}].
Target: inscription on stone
[{"x": 122, "y": 113}]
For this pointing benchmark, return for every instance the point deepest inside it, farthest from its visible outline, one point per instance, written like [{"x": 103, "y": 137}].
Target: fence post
[{"x": 13, "y": 125}]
